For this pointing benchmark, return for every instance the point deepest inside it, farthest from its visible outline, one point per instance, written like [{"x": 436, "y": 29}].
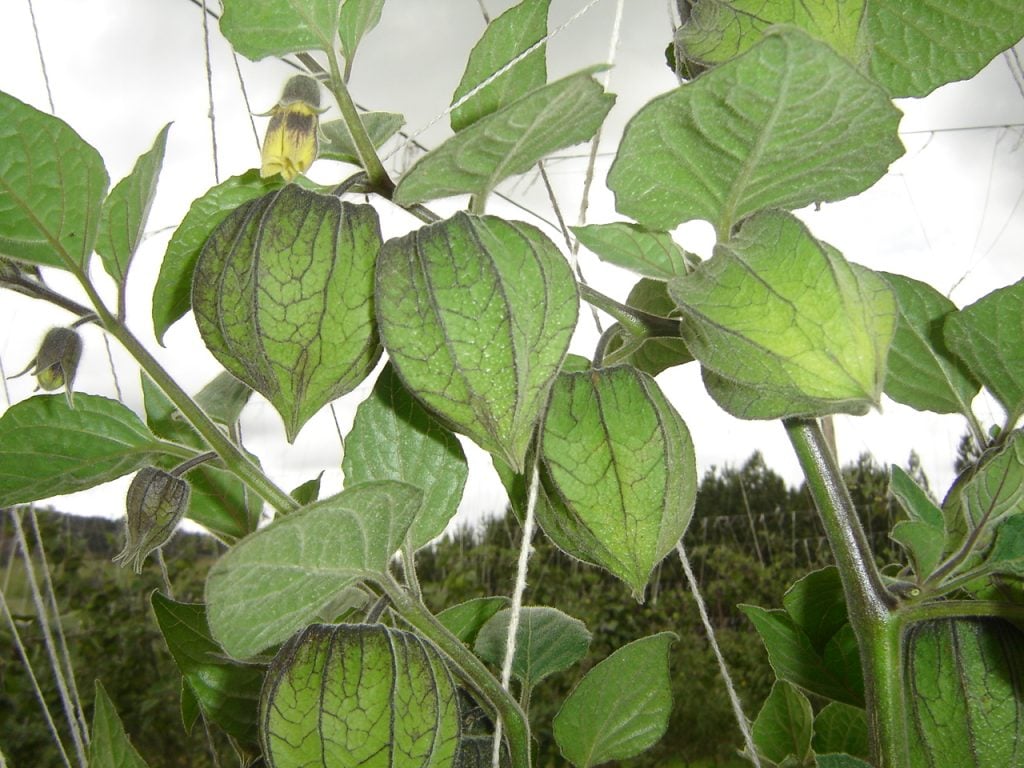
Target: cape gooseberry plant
[{"x": 313, "y": 646}]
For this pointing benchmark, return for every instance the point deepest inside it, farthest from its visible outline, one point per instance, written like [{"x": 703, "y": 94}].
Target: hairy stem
[{"x": 636, "y": 321}]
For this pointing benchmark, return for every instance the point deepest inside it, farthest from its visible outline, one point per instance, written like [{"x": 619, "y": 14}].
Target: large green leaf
[
  {"x": 283, "y": 297},
  {"x": 172, "y": 294},
  {"x": 619, "y": 471},
  {"x": 784, "y": 725},
  {"x": 359, "y": 695},
  {"x": 227, "y": 692},
  {"x": 963, "y": 683},
  {"x": 509, "y": 141},
  {"x": 126, "y": 210},
  {"x": 909, "y": 46},
  {"x": 923, "y": 373},
  {"x": 786, "y": 124},
  {"x": 476, "y": 314},
  {"x": 48, "y": 448},
  {"x": 505, "y": 38},
  {"x": 277, "y": 579},
  {"x": 547, "y": 641},
  {"x": 621, "y": 707},
  {"x": 356, "y": 19},
  {"x": 784, "y": 325},
  {"x": 986, "y": 336},
  {"x": 394, "y": 437},
  {"x": 110, "y": 746},
  {"x": 52, "y": 185},
  {"x": 261, "y": 28},
  {"x": 645, "y": 251}
]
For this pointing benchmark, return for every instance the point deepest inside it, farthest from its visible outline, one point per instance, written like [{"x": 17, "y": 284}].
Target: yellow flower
[{"x": 290, "y": 145}]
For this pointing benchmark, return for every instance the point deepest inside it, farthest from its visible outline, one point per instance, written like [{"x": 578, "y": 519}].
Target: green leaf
[
  {"x": 219, "y": 500},
  {"x": 223, "y": 398},
  {"x": 657, "y": 353},
  {"x": 505, "y": 38},
  {"x": 510, "y": 141},
  {"x": 261, "y": 28},
  {"x": 338, "y": 143},
  {"x": 909, "y": 46},
  {"x": 619, "y": 469},
  {"x": 841, "y": 728},
  {"x": 465, "y": 619},
  {"x": 359, "y": 695},
  {"x": 841, "y": 761},
  {"x": 126, "y": 209},
  {"x": 817, "y": 605},
  {"x": 923, "y": 373},
  {"x": 49, "y": 449},
  {"x": 547, "y": 641},
  {"x": 172, "y": 294},
  {"x": 357, "y": 18},
  {"x": 283, "y": 297},
  {"x": 110, "y": 746},
  {"x": 189, "y": 706},
  {"x": 783, "y": 726},
  {"x": 476, "y": 314},
  {"x": 647, "y": 252},
  {"x": 986, "y": 336},
  {"x": 227, "y": 692},
  {"x": 309, "y": 491},
  {"x": 1007, "y": 553},
  {"x": 589, "y": 731},
  {"x": 963, "y": 681},
  {"x": 925, "y": 544},
  {"x": 912, "y": 498},
  {"x": 393, "y": 437},
  {"x": 737, "y": 140},
  {"x": 795, "y": 659},
  {"x": 275, "y": 580},
  {"x": 784, "y": 325},
  {"x": 51, "y": 188}
]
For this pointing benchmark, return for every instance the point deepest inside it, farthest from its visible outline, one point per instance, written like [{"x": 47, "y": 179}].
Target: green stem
[
  {"x": 636, "y": 321},
  {"x": 378, "y": 177},
  {"x": 870, "y": 605},
  {"x": 961, "y": 609},
  {"x": 516, "y": 726}
]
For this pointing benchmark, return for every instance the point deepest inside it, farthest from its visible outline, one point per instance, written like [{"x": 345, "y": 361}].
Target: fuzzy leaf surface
[
  {"x": 647, "y": 252},
  {"x": 784, "y": 725},
  {"x": 338, "y": 143},
  {"x": 261, "y": 28},
  {"x": 110, "y": 746},
  {"x": 356, "y": 19},
  {"x": 465, "y": 619},
  {"x": 840, "y": 728}
]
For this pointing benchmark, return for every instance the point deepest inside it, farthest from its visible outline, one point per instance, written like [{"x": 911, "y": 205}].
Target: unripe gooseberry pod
[{"x": 156, "y": 502}]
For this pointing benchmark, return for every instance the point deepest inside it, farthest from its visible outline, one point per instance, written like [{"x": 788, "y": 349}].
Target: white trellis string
[
  {"x": 734, "y": 699},
  {"x": 209, "y": 94},
  {"x": 525, "y": 548},
  {"x": 490, "y": 79},
  {"x": 42, "y": 60}
]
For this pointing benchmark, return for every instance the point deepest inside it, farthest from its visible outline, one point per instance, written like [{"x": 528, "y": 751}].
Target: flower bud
[
  {"x": 57, "y": 359},
  {"x": 290, "y": 145},
  {"x": 157, "y": 500}
]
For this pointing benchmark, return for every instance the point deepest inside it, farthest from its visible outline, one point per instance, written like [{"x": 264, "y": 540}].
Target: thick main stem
[{"x": 870, "y": 605}]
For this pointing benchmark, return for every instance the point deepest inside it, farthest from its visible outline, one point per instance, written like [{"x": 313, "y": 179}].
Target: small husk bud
[
  {"x": 57, "y": 359},
  {"x": 157, "y": 500}
]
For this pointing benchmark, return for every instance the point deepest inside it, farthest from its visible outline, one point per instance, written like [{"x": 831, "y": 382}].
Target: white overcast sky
[{"x": 950, "y": 212}]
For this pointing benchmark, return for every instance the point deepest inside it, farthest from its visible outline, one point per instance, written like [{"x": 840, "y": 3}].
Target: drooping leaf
[
  {"x": 356, "y": 19},
  {"x": 338, "y": 143},
  {"x": 986, "y": 336},
  {"x": 505, "y": 38},
  {"x": 172, "y": 294},
  {"x": 261, "y": 28},
  {"x": 49, "y": 449},
  {"x": 126, "y": 210},
  {"x": 803, "y": 126},
  {"x": 52, "y": 185},
  {"x": 275, "y": 580},
  {"x": 923, "y": 373},
  {"x": 963, "y": 683},
  {"x": 784, "y": 326},
  {"x": 795, "y": 659},
  {"x": 784, "y": 725},
  {"x": 547, "y": 641},
  {"x": 394, "y": 437},
  {"x": 647, "y": 252},
  {"x": 465, "y": 619},
  {"x": 590, "y": 730},
  {"x": 619, "y": 469},
  {"x": 227, "y": 692},
  {"x": 657, "y": 353},
  {"x": 909, "y": 46},
  {"x": 109, "y": 746},
  {"x": 359, "y": 695},
  {"x": 840, "y": 728},
  {"x": 283, "y": 297},
  {"x": 817, "y": 605},
  {"x": 476, "y": 314},
  {"x": 510, "y": 141}
]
